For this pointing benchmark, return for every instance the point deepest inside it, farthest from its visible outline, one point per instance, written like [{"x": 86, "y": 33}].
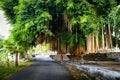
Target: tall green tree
[
  {"x": 114, "y": 18},
  {"x": 63, "y": 23}
]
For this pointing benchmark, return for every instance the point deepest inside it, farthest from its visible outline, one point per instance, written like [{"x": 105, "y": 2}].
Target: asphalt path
[{"x": 43, "y": 69}]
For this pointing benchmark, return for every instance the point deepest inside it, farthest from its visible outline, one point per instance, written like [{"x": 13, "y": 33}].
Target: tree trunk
[
  {"x": 103, "y": 43},
  {"x": 66, "y": 48},
  {"x": 59, "y": 45},
  {"x": 116, "y": 39},
  {"x": 92, "y": 43},
  {"x": 107, "y": 44},
  {"x": 16, "y": 58},
  {"x": 67, "y": 23},
  {"x": 26, "y": 56},
  {"x": 107, "y": 37},
  {"x": 110, "y": 36},
  {"x": 97, "y": 42},
  {"x": 89, "y": 43}
]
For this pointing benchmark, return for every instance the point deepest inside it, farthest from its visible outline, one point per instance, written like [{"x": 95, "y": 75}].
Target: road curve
[{"x": 43, "y": 70}]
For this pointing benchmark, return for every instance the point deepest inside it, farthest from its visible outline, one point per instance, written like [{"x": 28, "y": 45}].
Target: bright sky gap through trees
[{"x": 4, "y": 25}]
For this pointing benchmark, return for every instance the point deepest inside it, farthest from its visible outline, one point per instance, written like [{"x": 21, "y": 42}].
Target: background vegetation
[{"x": 75, "y": 26}]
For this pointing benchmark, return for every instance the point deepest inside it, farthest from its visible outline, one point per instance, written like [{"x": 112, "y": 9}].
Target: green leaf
[
  {"x": 70, "y": 4},
  {"x": 83, "y": 19},
  {"x": 57, "y": 1}
]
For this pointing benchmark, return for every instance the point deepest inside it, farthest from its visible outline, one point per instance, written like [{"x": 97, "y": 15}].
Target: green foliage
[
  {"x": 29, "y": 19},
  {"x": 70, "y": 4},
  {"x": 114, "y": 19},
  {"x": 5, "y": 71},
  {"x": 103, "y": 7},
  {"x": 114, "y": 16},
  {"x": 8, "y": 44},
  {"x": 3, "y": 55},
  {"x": 1, "y": 43},
  {"x": 34, "y": 18},
  {"x": 8, "y": 7},
  {"x": 73, "y": 39},
  {"x": 83, "y": 17}
]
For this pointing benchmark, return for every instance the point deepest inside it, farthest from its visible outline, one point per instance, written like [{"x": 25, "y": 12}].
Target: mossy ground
[{"x": 77, "y": 74}]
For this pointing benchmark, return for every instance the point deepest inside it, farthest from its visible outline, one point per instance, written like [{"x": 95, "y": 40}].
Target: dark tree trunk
[
  {"x": 59, "y": 45},
  {"x": 110, "y": 36},
  {"x": 16, "y": 58}
]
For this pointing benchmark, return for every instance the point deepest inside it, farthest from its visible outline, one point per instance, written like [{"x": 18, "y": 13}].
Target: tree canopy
[{"x": 61, "y": 22}]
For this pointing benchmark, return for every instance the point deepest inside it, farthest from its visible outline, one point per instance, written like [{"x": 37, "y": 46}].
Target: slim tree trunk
[
  {"x": 107, "y": 40},
  {"x": 97, "y": 42},
  {"x": 116, "y": 39},
  {"x": 103, "y": 43},
  {"x": 107, "y": 37},
  {"x": 110, "y": 36},
  {"x": 92, "y": 43},
  {"x": 59, "y": 45},
  {"x": 16, "y": 58},
  {"x": 77, "y": 50},
  {"x": 89, "y": 43},
  {"x": 66, "y": 48}
]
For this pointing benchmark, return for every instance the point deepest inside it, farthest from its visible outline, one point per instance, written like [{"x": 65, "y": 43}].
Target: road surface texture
[{"x": 43, "y": 70}]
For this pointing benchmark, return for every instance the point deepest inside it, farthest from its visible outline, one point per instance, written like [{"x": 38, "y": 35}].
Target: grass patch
[
  {"x": 6, "y": 71},
  {"x": 77, "y": 74}
]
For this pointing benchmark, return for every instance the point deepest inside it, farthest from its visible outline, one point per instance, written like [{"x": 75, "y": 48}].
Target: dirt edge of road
[{"x": 77, "y": 74}]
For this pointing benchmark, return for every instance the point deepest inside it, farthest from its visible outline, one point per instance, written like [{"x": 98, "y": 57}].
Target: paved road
[{"x": 43, "y": 70}]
